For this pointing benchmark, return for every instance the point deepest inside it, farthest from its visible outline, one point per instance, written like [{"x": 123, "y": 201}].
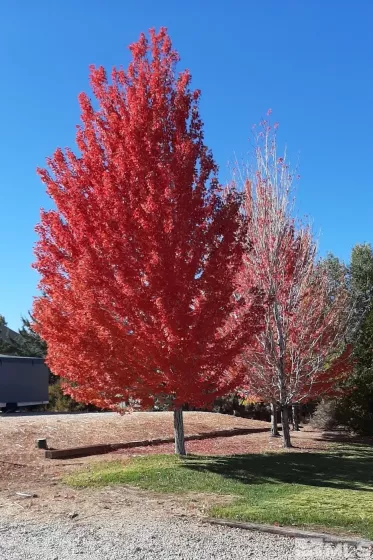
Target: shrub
[
  {"x": 355, "y": 408},
  {"x": 325, "y": 416},
  {"x": 59, "y": 402}
]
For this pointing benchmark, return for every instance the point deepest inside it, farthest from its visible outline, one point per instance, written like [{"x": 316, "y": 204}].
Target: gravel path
[{"x": 156, "y": 540}]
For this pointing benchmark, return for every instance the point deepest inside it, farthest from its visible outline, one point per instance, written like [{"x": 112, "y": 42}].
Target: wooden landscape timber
[{"x": 87, "y": 450}]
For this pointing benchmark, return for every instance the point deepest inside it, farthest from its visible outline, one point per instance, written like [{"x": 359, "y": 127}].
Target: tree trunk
[
  {"x": 285, "y": 427},
  {"x": 294, "y": 410},
  {"x": 274, "y": 428},
  {"x": 179, "y": 431}
]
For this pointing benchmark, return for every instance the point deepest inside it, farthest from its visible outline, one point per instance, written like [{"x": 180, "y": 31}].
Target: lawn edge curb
[
  {"x": 103, "y": 448},
  {"x": 291, "y": 532}
]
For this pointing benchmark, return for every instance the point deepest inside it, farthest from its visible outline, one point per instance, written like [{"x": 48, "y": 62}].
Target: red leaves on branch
[{"x": 137, "y": 262}]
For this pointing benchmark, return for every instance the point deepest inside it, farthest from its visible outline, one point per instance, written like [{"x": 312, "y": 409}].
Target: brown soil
[
  {"x": 23, "y": 468},
  {"x": 19, "y": 432}
]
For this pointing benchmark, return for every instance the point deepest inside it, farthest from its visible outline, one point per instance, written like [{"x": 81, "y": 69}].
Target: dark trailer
[{"x": 23, "y": 382}]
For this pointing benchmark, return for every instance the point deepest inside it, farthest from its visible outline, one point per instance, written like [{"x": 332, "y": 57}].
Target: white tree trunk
[
  {"x": 179, "y": 431},
  {"x": 274, "y": 428},
  {"x": 295, "y": 414},
  {"x": 285, "y": 427}
]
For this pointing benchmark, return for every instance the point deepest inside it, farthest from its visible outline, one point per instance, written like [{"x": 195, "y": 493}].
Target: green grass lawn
[{"x": 331, "y": 489}]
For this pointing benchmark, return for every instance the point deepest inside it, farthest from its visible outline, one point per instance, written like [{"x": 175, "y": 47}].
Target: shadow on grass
[
  {"x": 343, "y": 436},
  {"x": 349, "y": 468}
]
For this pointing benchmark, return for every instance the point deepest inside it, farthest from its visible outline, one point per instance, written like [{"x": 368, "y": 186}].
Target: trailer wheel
[{"x": 10, "y": 407}]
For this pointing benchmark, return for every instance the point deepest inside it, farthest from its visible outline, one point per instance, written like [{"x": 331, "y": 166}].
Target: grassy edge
[{"x": 161, "y": 473}]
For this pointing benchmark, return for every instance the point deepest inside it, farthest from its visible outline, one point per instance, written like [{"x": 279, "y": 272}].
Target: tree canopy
[{"x": 138, "y": 259}]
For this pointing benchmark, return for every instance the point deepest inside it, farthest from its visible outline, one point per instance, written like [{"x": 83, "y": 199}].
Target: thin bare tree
[{"x": 301, "y": 352}]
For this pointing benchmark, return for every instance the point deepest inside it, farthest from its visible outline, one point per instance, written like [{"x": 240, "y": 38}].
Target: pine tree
[
  {"x": 8, "y": 339},
  {"x": 356, "y": 407}
]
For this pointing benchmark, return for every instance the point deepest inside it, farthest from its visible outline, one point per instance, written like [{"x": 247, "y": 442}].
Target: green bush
[
  {"x": 59, "y": 402},
  {"x": 355, "y": 409},
  {"x": 325, "y": 416}
]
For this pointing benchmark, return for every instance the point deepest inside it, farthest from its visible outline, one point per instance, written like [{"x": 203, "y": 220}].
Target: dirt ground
[
  {"x": 24, "y": 470},
  {"x": 18, "y": 432}
]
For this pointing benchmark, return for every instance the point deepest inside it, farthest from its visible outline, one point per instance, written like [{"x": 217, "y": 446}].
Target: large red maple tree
[
  {"x": 301, "y": 353},
  {"x": 138, "y": 259}
]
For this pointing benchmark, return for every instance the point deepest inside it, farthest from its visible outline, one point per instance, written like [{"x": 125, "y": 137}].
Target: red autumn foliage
[
  {"x": 301, "y": 353},
  {"x": 137, "y": 262}
]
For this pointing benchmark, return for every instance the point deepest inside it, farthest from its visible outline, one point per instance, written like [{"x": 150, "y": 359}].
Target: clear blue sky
[{"x": 311, "y": 61}]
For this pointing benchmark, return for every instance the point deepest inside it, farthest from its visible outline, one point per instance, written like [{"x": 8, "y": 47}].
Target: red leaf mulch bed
[{"x": 303, "y": 441}]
